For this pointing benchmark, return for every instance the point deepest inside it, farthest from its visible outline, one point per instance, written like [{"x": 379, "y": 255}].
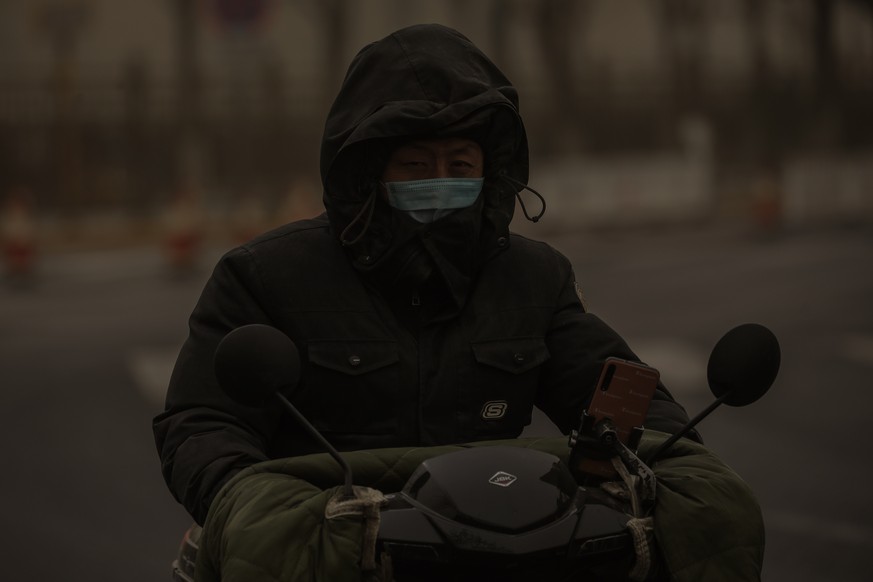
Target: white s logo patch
[{"x": 494, "y": 409}]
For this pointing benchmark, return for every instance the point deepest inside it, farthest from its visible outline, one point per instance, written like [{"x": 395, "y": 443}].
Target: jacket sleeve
[
  {"x": 579, "y": 342},
  {"x": 203, "y": 437}
]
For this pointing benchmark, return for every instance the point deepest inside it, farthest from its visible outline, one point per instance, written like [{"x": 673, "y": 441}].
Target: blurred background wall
[{"x": 121, "y": 121}]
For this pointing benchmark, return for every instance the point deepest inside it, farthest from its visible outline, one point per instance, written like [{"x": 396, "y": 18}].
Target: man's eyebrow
[
  {"x": 463, "y": 149},
  {"x": 425, "y": 147}
]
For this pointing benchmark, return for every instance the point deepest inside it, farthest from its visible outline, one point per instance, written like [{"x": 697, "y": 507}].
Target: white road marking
[
  {"x": 859, "y": 348},
  {"x": 108, "y": 265},
  {"x": 682, "y": 365},
  {"x": 151, "y": 369}
]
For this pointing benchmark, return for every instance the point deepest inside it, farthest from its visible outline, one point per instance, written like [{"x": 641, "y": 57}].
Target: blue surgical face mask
[{"x": 429, "y": 200}]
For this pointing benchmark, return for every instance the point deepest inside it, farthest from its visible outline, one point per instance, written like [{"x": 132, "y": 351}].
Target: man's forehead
[{"x": 450, "y": 144}]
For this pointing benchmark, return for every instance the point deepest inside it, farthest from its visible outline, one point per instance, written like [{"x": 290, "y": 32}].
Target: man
[{"x": 419, "y": 318}]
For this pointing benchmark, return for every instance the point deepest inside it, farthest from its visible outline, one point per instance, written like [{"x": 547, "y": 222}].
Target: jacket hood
[{"x": 419, "y": 82}]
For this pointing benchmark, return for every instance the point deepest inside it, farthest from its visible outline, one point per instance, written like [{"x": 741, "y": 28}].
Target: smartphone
[{"x": 623, "y": 394}]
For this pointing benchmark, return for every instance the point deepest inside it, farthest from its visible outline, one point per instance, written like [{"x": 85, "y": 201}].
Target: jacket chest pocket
[
  {"x": 351, "y": 386},
  {"x": 505, "y": 382}
]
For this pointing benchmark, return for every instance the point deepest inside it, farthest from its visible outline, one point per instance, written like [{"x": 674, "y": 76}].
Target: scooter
[{"x": 506, "y": 512}]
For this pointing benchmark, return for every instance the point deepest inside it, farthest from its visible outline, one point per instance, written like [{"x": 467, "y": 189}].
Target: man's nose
[{"x": 441, "y": 169}]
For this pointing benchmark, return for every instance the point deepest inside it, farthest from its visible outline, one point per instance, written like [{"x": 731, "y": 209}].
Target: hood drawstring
[
  {"x": 521, "y": 186},
  {"x": 369, "y": 206}
]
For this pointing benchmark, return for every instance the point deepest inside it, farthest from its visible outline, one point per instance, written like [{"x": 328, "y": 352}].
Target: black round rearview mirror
[
  {"x": 254, "y": 362},
  {"x": 743, "y": 364}
]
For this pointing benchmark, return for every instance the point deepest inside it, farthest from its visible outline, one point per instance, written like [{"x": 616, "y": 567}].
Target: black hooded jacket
[{"x": 409, "y": 334}]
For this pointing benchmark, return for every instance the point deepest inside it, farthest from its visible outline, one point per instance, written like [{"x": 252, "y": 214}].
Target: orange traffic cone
[
  {"x": 767, "y": 205},
  {"x": 18, "y": 236},
  {"x": 183, "y": 232}
]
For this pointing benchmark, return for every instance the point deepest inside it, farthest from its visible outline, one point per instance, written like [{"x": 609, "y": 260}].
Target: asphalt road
[{"x": 86, "y": 350}]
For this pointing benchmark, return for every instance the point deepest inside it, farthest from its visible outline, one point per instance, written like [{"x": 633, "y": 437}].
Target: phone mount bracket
[{"x": 598, "y": 441}]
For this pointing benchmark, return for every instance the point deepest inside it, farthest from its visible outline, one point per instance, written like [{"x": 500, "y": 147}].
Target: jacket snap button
[
  {"x": 366, "y": 259},
  {"x": 501, "y": 242},
  {"x": 518, "y": 358},
  {"x": 354, "y": 361}
]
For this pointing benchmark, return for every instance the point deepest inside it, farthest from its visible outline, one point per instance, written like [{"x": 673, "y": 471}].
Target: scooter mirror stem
[
  {"x": 348, "y": 492},
  {"x": 665, "y": 446}
]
